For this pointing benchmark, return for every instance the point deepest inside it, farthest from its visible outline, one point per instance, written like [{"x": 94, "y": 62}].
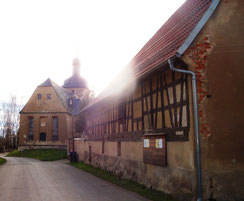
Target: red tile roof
[{"x": 165, "y": 43}]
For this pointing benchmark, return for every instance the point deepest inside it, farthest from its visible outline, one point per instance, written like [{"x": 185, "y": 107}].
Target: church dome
[{"x": 75, "y": 81}]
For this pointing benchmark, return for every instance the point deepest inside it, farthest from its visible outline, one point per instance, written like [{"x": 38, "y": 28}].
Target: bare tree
[
  {"x": 81, "y": 120},
  {"x": 10, "y": 122}
]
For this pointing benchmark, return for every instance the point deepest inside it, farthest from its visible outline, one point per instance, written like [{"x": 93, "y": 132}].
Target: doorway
[{"x": 43, "y": 136}]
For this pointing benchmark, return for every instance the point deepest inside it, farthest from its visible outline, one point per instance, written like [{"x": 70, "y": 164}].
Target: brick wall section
[{"x": 198, "y": 55}]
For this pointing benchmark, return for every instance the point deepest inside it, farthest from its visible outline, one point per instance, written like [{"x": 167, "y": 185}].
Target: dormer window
[
  {"x": 48, "y": 96},
  {"x": 39, "y": 96}
]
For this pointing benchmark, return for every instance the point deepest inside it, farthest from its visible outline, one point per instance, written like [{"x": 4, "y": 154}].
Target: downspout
[{"x": 196, "y": 123}]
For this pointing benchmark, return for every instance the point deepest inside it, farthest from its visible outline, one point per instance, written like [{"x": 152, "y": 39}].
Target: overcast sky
[{"x": 39, "y": 39}]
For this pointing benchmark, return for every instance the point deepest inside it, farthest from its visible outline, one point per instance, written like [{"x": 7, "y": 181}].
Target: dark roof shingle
[{"x": 75, "y": 81}]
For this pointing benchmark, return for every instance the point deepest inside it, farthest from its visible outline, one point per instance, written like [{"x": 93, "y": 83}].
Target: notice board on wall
[{"x": 154, "y": 149}]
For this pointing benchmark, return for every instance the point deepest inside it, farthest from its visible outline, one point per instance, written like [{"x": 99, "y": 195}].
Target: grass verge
[
  {"x": 41, "y": 154},
  {"x": 2, "y": 160},
  {"x": 125, "y": 183}
]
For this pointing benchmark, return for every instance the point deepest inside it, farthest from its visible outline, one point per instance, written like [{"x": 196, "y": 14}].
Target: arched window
[
  {"x": 55, "y": 128},
  {"x": 30, "y": 128}
]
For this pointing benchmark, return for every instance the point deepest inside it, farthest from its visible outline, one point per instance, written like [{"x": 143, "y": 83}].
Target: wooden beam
[
  {"x": 142, "y": 106},
  {"x": 128, "y": 114},
  {"x": 167, "y": 93},
  {"x": 148, "y": 118},
  {"x": 162, "y": 100},
  {"x": 187, "y": 99},
  {"x": 174, "y": 100},
  {"x": 132, "y": 112},
  {"x": 156, "y": 114},
  {"x": 181, "y": 98},
  {"x": 151, "y": 102}
]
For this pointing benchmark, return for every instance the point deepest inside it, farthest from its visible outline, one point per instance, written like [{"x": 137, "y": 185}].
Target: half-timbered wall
[{"x": 159, "y": 102}]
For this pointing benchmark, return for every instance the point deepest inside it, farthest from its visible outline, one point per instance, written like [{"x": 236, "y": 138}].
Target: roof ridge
[
  {"x": 46, "y": 83},
  {"x": 63, "y": 94}
]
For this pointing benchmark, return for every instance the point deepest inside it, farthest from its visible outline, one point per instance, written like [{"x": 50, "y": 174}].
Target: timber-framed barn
[{"x": 141, "y": 126}]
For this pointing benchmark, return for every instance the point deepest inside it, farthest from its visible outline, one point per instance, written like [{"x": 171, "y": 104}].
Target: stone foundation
[{"x": 175, "y": 180}]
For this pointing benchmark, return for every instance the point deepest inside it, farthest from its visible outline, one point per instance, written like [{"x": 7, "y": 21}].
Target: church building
[{"x": 46, "y": 119}]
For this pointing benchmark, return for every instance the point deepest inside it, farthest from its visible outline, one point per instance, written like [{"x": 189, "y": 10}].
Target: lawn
[
  {"x": 125, "y": 183},
  {"x": 41, "y": 154},
  {"x": 2, "y": 160}
]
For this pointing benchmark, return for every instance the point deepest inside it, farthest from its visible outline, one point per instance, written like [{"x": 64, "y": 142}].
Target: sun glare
[{"x": 39, "y": 39}]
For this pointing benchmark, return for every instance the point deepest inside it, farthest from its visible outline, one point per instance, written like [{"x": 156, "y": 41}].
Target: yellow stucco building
[{"x": 46, "y": 119}]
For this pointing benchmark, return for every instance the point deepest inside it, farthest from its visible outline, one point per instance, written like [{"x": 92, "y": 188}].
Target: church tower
[{"x": 76, "y": 84}]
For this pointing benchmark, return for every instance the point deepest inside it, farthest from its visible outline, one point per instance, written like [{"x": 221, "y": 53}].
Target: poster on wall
[
  {"x": 159, "y": 143},
  {"x": 146, "y": 143},
  {"x": 154, "y": 149}
]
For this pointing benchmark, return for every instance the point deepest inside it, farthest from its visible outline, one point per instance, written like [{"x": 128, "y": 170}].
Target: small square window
[
  {"x": 48, "y": 96},
  {"x": 39, "y": 96}
]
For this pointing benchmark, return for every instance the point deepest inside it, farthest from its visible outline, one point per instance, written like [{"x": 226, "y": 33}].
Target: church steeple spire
[
  {"x": 76, "y": 66},
  {"x": 76, "y": 80}
]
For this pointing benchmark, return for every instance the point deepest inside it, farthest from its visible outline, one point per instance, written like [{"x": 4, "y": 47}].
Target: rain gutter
[
  {"x": 196, "y": 122},
  {"x": 197, "y": 28},
  {"x": 179, "y": 53}
]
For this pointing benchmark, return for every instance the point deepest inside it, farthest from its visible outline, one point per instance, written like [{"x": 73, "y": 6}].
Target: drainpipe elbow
[
  {"x": 193, "y": 76},
  {"x": 171, "y": 66}
]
